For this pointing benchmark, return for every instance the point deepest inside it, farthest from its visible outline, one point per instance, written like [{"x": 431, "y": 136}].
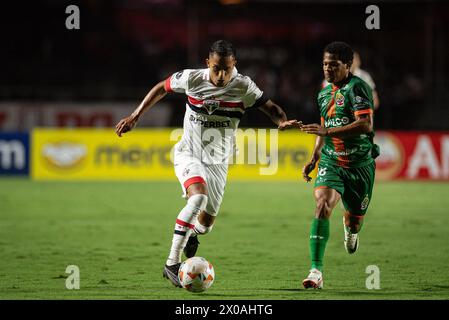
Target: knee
[
  {"x": 323, "y": 208},
  {"x": 198, "y": 202}
]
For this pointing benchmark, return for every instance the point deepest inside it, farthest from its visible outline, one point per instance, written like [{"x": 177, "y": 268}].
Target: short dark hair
[
  {"x": 342, "y": 50},
  {"x": 222, "y": 48}
]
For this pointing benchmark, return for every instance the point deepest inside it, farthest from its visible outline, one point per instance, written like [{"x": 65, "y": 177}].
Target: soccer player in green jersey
[{"x": 345, "y": 150}]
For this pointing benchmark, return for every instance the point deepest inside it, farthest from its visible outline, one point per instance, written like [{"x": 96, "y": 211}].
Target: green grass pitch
[{"x": 119, "y": 234}]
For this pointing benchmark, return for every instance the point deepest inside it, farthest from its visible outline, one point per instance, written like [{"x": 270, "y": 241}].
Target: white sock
[{"x": 184, "y": 225}]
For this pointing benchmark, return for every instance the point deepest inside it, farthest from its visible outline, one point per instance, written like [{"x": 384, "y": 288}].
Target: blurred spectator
[
  {"x": 365, "y": 76},
  {"x": 125, "y": 47}
]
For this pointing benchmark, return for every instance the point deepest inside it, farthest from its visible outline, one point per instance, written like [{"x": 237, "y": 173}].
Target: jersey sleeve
[
  {"x": 253, "y": 95},
  {"x": 319, "y": 101},
  {"x": 178, "y": 82},
  {"x": 361, "y": 97}
]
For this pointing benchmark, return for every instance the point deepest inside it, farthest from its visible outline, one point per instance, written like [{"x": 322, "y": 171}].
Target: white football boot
[
  {"x": 313, "y": 280},
  {"x": 351, "y": 240}
]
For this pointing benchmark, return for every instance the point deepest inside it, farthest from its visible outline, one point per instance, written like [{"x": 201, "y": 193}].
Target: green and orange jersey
[{"x": 339, "y": 106}]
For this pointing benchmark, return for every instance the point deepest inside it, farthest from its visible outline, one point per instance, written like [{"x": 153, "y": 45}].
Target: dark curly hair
[{"x": 342, "y": 50}]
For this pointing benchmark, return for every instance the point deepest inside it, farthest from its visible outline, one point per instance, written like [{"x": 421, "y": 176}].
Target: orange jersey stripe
[
  {"x": 339, "y": 146},
  {"x": 331, "y": 106},
  {"x": 365, "y": 111}
]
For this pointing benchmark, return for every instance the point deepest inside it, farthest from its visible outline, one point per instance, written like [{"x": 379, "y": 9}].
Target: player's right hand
[
  {"x": 125, "y": 125},
  {"x": 307, "y": 169}
]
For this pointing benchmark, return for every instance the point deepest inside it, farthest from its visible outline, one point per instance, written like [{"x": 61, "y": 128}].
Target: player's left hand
[
  {"x": 289, "y": 124},
  {"x": 314, "y": 128},
  {"x": 307, "y": 169}
]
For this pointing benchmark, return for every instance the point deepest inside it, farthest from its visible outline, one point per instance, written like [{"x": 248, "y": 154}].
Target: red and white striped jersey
[{"x": 212, "y": 113}]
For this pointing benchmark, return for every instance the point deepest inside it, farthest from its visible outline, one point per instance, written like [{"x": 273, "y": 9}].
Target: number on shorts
[{"x": 322, "y": 171}]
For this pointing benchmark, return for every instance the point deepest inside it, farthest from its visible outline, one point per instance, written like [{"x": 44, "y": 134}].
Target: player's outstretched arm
[
  {"x": 155, "y": 94},
  {"x": 362, "y": 124},
  {"x": 278, "y": 116}
]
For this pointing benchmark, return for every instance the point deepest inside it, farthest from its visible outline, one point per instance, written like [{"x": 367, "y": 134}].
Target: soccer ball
[{"x": 196, "y": 274}]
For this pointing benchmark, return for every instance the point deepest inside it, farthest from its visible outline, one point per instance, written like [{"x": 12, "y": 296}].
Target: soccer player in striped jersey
[
  {"x": 217, "y": 98},
  {"x": 345, "y": 150}
]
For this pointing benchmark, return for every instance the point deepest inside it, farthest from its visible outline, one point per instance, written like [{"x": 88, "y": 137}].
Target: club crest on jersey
[
  {"x": 339, "y": 99},
  {"x": 211, "y": 105}
]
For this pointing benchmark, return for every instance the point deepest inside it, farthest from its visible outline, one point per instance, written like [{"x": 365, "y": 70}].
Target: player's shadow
[
  {"x": 365, "y": 293},
  {"x": 229, "y": 295},
  {"x": 252, "y": 295},
  {"x": 285, "y": 289}
]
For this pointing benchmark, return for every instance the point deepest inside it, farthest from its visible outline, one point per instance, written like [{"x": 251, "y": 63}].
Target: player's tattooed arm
[
  {"x": 362, "y": 124},
  {"x": 156, "y": 93},
  {"x": 278, "y": 116}
]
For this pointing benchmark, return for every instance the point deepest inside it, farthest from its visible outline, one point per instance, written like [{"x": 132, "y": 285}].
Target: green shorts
[{"x": 355, "y": 185}]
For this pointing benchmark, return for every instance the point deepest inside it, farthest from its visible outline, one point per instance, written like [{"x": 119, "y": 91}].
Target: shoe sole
[
  {"x": 166, "y": 276},
  {"x": 312, "y": 284},
  {"x": 352, "y": 251}
]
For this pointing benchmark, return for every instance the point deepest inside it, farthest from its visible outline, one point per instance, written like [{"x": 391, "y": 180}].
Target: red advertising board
[
  {"x": 413, "y": 155},
  {"x": 24, "y": 116}
]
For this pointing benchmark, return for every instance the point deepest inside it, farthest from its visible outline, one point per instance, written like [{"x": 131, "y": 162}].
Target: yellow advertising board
[{"x": 146, "y": 154}]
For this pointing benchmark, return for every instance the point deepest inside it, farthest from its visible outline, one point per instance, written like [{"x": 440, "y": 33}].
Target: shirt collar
[{"x": 343, "y": 82}]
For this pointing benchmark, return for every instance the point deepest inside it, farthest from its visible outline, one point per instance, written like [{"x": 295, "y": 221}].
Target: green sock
[{"x": 319, "y": 234}]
